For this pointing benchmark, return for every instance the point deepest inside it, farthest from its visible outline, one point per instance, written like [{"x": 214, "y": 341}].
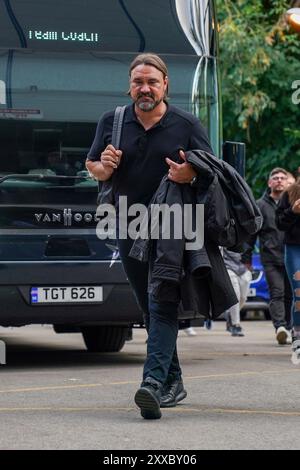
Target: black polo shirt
[{"x": 143, "y": 160}]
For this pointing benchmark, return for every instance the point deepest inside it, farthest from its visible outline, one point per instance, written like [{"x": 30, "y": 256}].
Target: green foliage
[{"x": 260, "y": 59}]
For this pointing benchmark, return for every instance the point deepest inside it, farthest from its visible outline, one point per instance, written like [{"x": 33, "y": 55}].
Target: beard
[
  {"x": 278, "y": 191},
  {"x": 146, "y": 105}
]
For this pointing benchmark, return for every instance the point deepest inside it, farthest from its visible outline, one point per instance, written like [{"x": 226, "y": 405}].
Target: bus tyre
[{"x": 104, "y": 338}]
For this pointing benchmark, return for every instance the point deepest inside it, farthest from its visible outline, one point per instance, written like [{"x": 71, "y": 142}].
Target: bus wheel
[{"x": 104, "y": 338}]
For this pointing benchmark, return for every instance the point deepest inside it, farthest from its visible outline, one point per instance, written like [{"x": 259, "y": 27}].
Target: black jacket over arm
[{"x": 203, "y": 284}]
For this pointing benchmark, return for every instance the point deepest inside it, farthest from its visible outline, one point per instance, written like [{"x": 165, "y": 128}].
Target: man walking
[
  {"x": 272, "y": 256},
  {"x": 154, "y": 136}
]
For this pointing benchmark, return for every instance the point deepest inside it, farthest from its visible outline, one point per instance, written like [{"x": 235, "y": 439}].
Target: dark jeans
[
  {"x": 280, "y": 295},
  {"x": 292, "y": 262},
  {"x": 161, "y": 321}
]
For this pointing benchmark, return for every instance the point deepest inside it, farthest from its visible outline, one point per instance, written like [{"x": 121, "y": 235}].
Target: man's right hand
[
  {"x": 110, "y": 158},
  {"x": 104, "y": 168}
]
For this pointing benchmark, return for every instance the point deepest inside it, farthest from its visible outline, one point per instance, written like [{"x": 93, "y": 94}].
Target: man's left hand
[{"x": 180, "y": 172}]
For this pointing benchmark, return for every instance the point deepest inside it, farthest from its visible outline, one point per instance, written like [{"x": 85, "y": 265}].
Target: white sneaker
[
  {"x": 282, "y": 335},
  {"x": 289, "y": 337},
  {"x": 190, "y": 331},
  {"x": 296, "y": 352}
]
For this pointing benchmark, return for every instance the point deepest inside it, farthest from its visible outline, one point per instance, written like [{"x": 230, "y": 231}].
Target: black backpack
[{"x": 231, "y": 212}]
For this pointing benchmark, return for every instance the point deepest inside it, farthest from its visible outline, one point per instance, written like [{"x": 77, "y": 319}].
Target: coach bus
[{"x": 63, "y": 64}]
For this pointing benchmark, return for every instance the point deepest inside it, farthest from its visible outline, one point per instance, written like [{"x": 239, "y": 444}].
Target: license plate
[
  {"x": 252, "y": 292},
  {"x": 69, "y": 294}
]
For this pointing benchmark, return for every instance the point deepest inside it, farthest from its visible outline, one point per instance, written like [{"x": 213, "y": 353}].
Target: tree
[{"x": 259, "y": 66}]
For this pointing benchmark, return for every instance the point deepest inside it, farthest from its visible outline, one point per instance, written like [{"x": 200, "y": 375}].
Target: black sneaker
[
  {"x": 147, "y": 398},
  {"x": 236, "y": 330},
  {"x": 172, "y": 394}
]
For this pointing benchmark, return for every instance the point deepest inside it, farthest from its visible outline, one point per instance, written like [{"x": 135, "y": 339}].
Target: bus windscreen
[{"x": 64, "y": 63}]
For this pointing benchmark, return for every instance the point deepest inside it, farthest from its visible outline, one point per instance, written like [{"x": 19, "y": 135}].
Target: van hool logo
[{"x": 67, "y": 217}]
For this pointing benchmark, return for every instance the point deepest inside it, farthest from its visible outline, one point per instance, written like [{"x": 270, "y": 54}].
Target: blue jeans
[
  {"x": 161, "y": 321},
  {"x": 162, "y": 361},
  {"x": 292, "y": 263}
]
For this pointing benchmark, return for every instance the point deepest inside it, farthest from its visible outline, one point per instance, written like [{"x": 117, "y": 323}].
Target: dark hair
[
  {"x": 154, "y": 61},
  {"x": 278, "y": 170}
]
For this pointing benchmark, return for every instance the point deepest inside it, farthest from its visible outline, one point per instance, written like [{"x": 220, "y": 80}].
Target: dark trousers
[
  {"x": 161, "y": 321},
  {"x": 280, "y": 295}
]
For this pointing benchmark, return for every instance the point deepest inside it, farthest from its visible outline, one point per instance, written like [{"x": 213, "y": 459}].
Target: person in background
[
  {"x": 290, "y": 179},
  {"x": 240, "y": 277},
  {"x": 288, "y": 220},
  {"x": 59, "y": 165},
  {"x": 272, "y": 256}
]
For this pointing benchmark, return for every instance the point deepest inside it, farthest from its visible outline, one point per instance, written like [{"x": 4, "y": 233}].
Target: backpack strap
[
  {"x": 117, "y": 126},
  {"x": 116, "y": 131}
]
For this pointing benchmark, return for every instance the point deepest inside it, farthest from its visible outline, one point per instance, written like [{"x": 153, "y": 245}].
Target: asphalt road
[{"x": 243, "y": 393}]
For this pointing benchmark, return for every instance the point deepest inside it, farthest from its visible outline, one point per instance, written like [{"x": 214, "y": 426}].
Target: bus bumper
[{"x": 119, "y": 306}]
